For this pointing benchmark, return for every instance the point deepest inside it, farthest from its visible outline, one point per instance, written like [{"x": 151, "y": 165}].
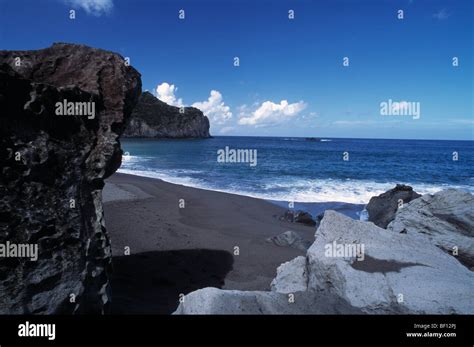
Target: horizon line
[{"x": 342, "y": 138}]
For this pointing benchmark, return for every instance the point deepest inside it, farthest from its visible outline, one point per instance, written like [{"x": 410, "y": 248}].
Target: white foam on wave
[
  {"x": 300, "y": 190},
  {"x": 134, "y": 159},
  {"x": 185, "y": 181},
  {"x": 128, "y": 158},
  {"x": 322, "y": 190}
]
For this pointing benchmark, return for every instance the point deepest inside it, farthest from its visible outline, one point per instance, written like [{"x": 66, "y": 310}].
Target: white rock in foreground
[
  {"x": 217, "y": 301},
  {"x": 446, "y": 218},
  {"x": 291, "y": 277},
  {"x": 399, "y": 273}
]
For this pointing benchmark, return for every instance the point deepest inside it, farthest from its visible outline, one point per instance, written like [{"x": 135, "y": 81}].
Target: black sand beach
[{"x": 176, "y": 250}]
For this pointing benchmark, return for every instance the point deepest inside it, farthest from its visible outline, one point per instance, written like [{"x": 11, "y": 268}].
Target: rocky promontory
[
  {"x": 62, "y": 110},
  {"x": 154, "y": 118}
]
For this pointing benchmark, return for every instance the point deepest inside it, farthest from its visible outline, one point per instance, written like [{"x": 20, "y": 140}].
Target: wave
[
  {"x": 133, "y": 159},
  {"x": 323, "y": 190},
  {"x": 167, "y": 177},
  {"x": 297, "y": 190}
]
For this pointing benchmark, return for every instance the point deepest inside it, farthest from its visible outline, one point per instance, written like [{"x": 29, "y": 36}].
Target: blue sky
[{"x": 291, "y": 80}]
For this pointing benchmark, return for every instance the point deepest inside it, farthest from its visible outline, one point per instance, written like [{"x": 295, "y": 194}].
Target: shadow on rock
[{"x": 151, "y": 282}]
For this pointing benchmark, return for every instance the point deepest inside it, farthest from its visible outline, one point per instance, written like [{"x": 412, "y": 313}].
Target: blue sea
[{"x": 295, "y": 169}]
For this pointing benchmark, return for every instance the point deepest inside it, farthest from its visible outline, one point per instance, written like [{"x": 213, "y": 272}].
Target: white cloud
[
  {"x": 215, "y": 108},
  {"x": 166, "y": 93},
  {"x": 94, "y": 7},
  {"x": 269, "y": 113}
]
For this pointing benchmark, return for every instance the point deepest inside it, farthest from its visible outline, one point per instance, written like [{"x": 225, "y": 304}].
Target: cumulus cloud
[
  {"x": 166, "y": 93},
  {"x": 269, "y": 113},
  {"x": 215, "y": 108},
  {"x": 93, "y": 7}
]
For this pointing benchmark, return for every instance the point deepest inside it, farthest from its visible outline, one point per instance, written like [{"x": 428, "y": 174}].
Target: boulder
[
  {"x": 382, "y": 208},
  {"x": 154, "y": 118},
  {"x": 445, "y": 218},
  {"x": 397, "y": 273},
  {"x": 217, "y": 301},
  {"x": 291, "y": 277},
  {"x": 298, "y": 217},
  {"x": 290, "y": 239},
  {"x": 53, "y": 169}
]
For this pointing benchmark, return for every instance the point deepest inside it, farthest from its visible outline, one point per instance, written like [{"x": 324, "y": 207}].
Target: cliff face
[
  {"x": 154, "y": 118},
  {"x": 53, "y": 164}
]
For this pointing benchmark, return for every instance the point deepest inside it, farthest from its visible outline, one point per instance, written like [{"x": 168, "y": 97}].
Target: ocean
[{"x": 304, "y": 171}]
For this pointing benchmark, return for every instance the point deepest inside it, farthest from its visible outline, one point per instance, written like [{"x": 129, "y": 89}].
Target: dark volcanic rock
[
  {"x": 382, "y": 208},
  {"x": 52, "y": 172},
  {"x": 298, "y": 217},
  {"x": 154, "y": 118}
]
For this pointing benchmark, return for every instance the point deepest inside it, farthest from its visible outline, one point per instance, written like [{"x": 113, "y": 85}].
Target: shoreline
[{"x": 303, "y": 205}]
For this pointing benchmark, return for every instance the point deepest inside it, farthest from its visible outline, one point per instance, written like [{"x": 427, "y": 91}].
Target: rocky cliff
[
  {"x": 53, "y": 163},
  {"x": 154, "y": 118}
]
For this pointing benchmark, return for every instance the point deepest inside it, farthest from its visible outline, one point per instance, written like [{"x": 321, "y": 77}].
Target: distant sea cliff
[{"x": 153, "y": 118}]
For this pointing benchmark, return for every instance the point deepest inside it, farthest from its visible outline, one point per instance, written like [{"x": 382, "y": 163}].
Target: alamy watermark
[
  {"x": 229, "y": 155},
  {"x": 344, "y": 250},
  {"x": 400, "y": 108},
  {"x": 19, "y": 250},
  {"x": 78, "y": 108},
  {"x": 28, "y": 329}
]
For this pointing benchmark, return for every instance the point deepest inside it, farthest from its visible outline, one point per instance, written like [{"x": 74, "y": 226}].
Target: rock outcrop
[
  {"x": 446, "y": 218},
  {"x": 154, "y": 118},
  {"x": 382, "y": 208},
  {"x": 53, "y": 169},
  {"x": 357, "y": 267}
]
